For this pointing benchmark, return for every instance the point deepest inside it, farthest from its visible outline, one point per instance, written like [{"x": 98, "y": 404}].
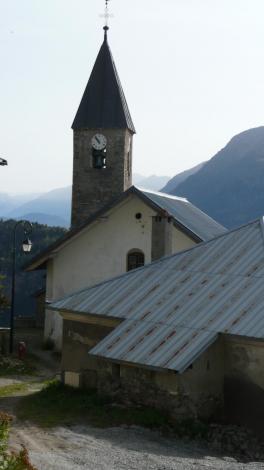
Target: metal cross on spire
[{"x": 106, "y": 17}]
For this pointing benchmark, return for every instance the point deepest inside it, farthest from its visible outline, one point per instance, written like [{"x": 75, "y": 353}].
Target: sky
[{"x": 192, "y": 72}]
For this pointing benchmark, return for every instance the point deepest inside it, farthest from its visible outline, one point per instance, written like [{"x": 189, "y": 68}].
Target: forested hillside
[{"x": 26, "y": 283}]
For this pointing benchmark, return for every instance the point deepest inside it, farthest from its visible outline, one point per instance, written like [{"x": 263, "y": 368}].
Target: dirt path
[{"x": 115, "y": 449}]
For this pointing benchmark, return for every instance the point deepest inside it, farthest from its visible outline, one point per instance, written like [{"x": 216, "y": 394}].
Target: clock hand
[{"x": 98, "y": 140}]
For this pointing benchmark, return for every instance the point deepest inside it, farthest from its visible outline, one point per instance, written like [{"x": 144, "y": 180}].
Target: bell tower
[{"x": 102, "y": 140}]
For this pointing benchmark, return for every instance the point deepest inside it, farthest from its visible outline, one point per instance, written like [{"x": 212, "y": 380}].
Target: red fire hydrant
[{"x": 21, "y": 350}]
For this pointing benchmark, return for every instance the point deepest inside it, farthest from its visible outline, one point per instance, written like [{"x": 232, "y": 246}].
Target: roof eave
[
  {"x": 132, "y": 364},
  {"x": 85, "y": 128}
]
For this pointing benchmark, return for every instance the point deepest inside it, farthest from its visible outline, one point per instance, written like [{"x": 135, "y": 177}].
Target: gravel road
[{"x": 116, "y": 449}]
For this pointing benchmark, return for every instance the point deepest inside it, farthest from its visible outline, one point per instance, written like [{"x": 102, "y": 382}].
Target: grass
[
  {"x": 9, "y": 390},
  {"x": 13, "y": 366},
  {"x": 57, "y": 405}
]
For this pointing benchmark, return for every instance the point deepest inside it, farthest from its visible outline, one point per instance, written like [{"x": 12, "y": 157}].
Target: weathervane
[{"x": 106, "y": 16}]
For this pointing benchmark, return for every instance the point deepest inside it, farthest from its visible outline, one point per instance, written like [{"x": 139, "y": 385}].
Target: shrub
[
  {"x": 11, "y": 461},
  {"x": 5, "y": 421}
]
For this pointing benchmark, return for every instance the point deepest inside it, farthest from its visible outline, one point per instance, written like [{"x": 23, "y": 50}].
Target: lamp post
[
  {"x": 26, "y": 247},
  {"x": 3, "y": 162}
]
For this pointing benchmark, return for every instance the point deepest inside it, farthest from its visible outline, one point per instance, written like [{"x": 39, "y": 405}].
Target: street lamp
[
  {"x": 26, "y": 247},
  {"x": 3, "y": 162}
]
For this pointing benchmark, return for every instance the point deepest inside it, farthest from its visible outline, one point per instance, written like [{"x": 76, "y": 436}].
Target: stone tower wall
[{"x": 94, "y": 188}]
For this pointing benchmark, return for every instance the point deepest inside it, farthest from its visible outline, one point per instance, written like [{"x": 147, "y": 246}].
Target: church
[
  {"x": 150, "y": 300},
  {"x": 115, "y": 227}
]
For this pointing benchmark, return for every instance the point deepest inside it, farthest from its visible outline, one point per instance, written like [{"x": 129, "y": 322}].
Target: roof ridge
[{"x": 160, "y": 193}]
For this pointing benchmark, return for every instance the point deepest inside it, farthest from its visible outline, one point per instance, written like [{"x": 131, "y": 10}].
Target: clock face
[{"x": 99, "y": 142}]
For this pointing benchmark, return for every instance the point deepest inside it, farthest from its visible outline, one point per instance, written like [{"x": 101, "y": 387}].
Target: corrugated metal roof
[
  {"x": 187, "y": 214},
  {"x": 174, "y": 309}
]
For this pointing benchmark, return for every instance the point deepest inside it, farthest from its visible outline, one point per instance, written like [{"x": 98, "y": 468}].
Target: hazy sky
[{"x": 192, "y": 72}]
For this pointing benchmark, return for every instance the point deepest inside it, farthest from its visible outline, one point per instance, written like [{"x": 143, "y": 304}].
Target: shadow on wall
[{"x": 244, "y": 403}]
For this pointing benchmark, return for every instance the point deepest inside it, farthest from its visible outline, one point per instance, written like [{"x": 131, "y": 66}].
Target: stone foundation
[{"x": 143, "y": 387}]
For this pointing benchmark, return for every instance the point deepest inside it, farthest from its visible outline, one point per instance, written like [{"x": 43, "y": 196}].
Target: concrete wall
[
  {"x": 53, "y": 328},
  {"x": 78, "y": 339},
  {"x": 100, "y": 252},
  {"x": 245, "y": 358},
  {"x": 244, "y": 382}
]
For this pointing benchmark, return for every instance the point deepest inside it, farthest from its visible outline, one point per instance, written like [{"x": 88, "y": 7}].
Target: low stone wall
[
  {"x": 139, "y": 387},
  {"x": 161, "y": 390}
]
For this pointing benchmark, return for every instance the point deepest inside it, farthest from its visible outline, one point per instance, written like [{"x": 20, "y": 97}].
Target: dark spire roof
[{"x": 103, "y": 104}]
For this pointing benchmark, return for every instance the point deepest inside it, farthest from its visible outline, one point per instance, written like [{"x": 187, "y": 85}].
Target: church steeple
[
  {"x": 103, "y": 104},
  {"x": 103, "y": 136}
]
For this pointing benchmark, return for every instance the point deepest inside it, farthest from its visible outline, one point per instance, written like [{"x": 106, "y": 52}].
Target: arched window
[{"x": 135, "y": 259}]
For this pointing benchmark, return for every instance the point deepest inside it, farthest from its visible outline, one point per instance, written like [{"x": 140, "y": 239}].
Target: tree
[
  {"x": 26, "y": 283},
  {"x": 3, "y": 299}
]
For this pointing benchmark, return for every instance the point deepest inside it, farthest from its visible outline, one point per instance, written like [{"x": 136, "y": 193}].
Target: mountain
[
  {"x": 176, "y": 180},
  {"x": 10, "y": 202},
  {"x": 46, "y": 208},
  {"x": 229, "y": 187},
  {"x": 153, "y": 182}
]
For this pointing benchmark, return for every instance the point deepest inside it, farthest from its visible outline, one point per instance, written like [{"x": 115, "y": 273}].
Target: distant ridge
[
  {"x": 230, "y": 186},
  {"x": 54, "y": 207},
  {"x": 51, "y": 208},
  {"x": 45, "y": 219},
  {"x": 176, "y": 180}
]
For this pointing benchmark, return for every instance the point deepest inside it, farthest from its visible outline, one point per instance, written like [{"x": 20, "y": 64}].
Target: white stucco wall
[
  {"x": 53, "y": 328},
  {"x": 180, "y": 241},
  {"x": 100, "y": 252}
]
